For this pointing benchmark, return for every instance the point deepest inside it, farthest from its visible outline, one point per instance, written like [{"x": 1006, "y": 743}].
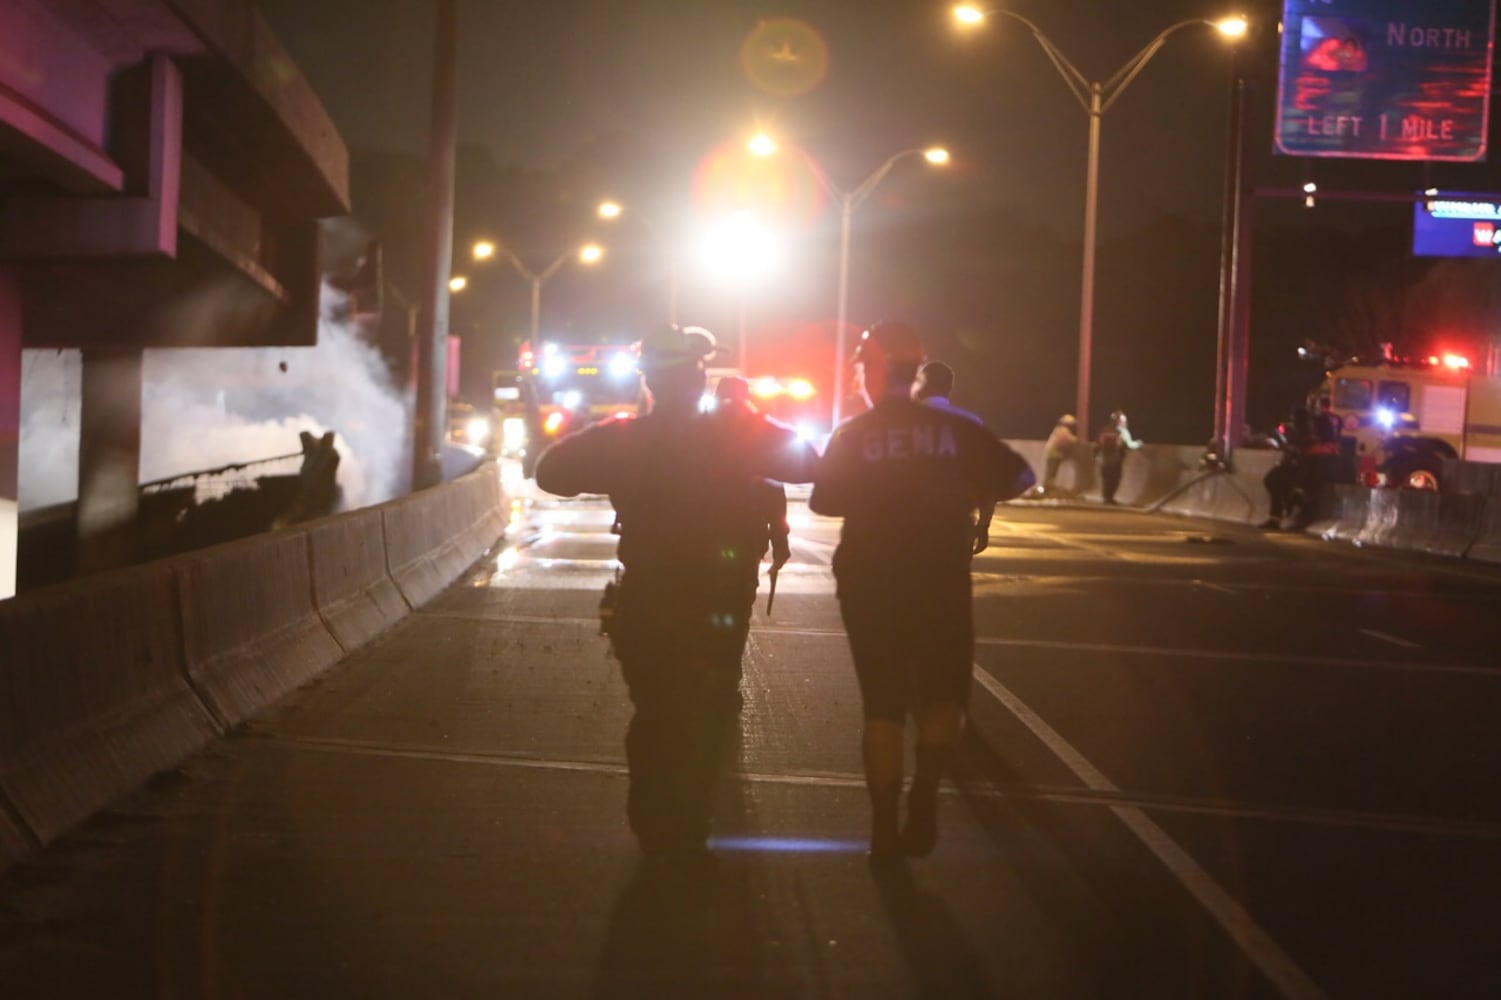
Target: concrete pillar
[
  {"x": 109, "y": 459},
  {"x": 10, "y": 425}
]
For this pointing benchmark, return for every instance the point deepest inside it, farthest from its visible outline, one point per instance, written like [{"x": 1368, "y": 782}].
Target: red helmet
[{"x": 897, "y": 342}]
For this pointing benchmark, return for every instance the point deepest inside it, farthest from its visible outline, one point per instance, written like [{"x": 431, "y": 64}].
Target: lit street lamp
[
  {"x": 611, "y": 210},
  {"x": 1096, "y": 98},
  {"x": 740, "y": 250},
  {"x": 589, "y": 253},
  {"x": 763, "y": 145}
]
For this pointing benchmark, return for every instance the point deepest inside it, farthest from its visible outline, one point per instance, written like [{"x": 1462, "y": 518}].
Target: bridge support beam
[{"x": 109, "y": 458}]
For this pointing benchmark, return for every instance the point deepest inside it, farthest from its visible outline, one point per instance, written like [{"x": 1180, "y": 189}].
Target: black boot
[
  {"x": 921, "y": 831},
  {"x": 885, "y": 835}
]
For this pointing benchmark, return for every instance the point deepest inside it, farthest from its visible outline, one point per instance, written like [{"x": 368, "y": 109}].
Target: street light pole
[
  {"x": 430, "y": 414},
  {"x": 1095, "y": 98},
  {"x": 537, "y": 280},
  {"x": 764, "y": 145},
  {"x": 1091, "y": 226}
]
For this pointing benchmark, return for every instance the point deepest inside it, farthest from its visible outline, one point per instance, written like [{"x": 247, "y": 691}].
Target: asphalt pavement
[{"x": 1203, "y": 762}]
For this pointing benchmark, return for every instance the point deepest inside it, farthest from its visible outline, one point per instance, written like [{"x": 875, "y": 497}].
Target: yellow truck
[{"x": 1405, "y": 418}]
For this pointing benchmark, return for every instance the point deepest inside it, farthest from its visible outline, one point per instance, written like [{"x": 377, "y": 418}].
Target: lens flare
[{"x": 784, "y": 57}]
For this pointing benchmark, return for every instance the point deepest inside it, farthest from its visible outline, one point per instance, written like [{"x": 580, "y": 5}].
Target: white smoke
[{"x": 204, "y": 408}]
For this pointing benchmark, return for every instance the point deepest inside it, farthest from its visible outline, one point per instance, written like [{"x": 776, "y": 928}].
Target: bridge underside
[{"x": 163, "y": 169}]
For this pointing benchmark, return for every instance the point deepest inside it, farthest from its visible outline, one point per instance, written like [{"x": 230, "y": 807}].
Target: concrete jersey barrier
[
  {"x": 352, "y": 590},
  {"x": 96, "y": 699},
  {"x": 250, "y": 631},
  {"x": 1486, "y": 546},
  {"x": 433, "y": 536},
  {"x": 175, "y": 653}
]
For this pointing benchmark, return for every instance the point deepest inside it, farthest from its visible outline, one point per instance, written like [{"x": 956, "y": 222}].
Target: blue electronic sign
[
  {"x": 1446, "y": 224},
  {"x": 1385, "y": 79}
]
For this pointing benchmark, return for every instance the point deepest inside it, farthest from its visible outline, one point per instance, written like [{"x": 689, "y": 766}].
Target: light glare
[
  {"x": 968, "y": 14},
  {"x": 458, "y": 283},
  {"x": 739, "y": 249},
  {"x": 937, "y": 156},
  {"x": 761, "y": 144},
  {"x": 1233, "y": 27},
  {"x": 591, "y": 253},
  {"x": 609, "y": 210}
]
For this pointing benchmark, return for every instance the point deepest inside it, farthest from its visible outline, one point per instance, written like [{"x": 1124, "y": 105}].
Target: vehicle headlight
[
  {"x": 554, "y": 366},
  {"x": 513, "y": 432},
  {"x": 622, "y": 365},
  {"x": 477, "y": 430}
]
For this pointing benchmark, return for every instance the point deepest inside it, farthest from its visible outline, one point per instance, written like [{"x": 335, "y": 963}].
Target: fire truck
[
  {"x": 564, "y": 387},
  {"x": 793, "y": 400},
  {"x": 1405, "y": 416}
]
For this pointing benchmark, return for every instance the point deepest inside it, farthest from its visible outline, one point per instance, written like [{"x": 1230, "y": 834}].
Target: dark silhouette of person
[
  {"x": 935, "y": 384},
  {"x": 909, "y": 480},
  {"x": 679, "y": 615},
  {"x": 1113, "y": 444},
  {"x": 1284, "y": 479}
]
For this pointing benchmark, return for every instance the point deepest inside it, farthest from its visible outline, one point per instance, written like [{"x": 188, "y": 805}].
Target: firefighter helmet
[{"x": 895, "y": 341}]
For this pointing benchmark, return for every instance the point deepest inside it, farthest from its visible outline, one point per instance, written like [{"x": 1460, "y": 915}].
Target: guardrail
[{"x": 110, "y": 679}]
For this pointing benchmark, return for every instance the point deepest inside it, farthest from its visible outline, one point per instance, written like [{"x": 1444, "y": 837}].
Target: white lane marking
[
  {"x": 1461, "y": 669},
  {"x": 1257, "y": 944},
  {"x": 1230, "y": 654},
  {"x": 827, "y": 779},
  {"x": 1404, "y": 643}
]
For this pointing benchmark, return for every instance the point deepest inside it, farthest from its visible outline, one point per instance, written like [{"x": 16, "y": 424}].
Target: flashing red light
[
  {"x": 554, "y": 422},
  {"x": 1456, "y": 362},
  {"x": 766, "y": 388}
]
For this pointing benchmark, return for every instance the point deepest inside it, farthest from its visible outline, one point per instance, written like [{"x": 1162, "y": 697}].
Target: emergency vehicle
[
  {"x": 1405, "y": 417},
  {"x": 793, "y": 400},
  {"x": 564, "y": 387}
]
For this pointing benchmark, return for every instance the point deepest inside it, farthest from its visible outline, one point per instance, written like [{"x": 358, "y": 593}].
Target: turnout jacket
[{"x": 909, "y": 481}]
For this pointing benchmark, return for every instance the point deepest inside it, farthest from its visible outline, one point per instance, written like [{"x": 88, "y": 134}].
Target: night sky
[{"x": 544, "y": 86}]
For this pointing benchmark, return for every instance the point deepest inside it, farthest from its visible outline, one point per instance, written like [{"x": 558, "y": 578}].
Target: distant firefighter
[{"x": 1113, "y": 444}]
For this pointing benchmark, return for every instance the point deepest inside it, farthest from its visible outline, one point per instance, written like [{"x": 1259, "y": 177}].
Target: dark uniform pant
[
  {"x": 680, "y": 655},
  {"x": 1110, "y": 479}
]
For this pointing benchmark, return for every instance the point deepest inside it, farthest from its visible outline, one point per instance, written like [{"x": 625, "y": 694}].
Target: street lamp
[
  {"x": 589, "y": 253},
  {"x": 458, "y": 283},
  {"x": 1096, "y": 98},
  {"x": 484, "y": 250},
  {"x": 611, "y": 210},
  {"x": 764, "y": 145},
  {"x": 739, "y": 249}
]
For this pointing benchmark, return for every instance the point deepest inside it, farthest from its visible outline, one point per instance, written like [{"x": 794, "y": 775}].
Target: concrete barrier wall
[
  {"x": 93, "y": 695},
  {"x": 108, "y": 680},
  {"x": 351, "y": 588},
  {"x": 1487, "y": 544},
  {"x": 250, "y": 631},
  {"x": 433, "y": 536},
  {"x": 1352, "y": 505}
]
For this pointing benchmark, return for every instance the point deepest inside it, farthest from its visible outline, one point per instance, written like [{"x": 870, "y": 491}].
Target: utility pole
[{"x": 432, "y": 311}]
